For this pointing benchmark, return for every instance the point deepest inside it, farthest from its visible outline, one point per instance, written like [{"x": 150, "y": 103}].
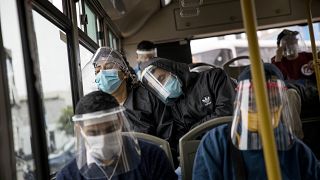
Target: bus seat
[
  {"x": 200, "y": 67},
  {"x": 189, "y": 143},
  {"x": 235, "y": 66},
  {"x": 157, "y": 141}
]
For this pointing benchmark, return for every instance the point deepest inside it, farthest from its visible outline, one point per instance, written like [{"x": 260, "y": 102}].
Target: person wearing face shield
[
  {"x": 106, "y": 147},
  {"x": 114, "y": 76},
  {"x": 297, "y": 69},
  {"x": 146, "y": 50},
  {"x": 294, "y": 64},
  {"x": 192, "y": 97},
  {"x": 234, "y": 151}
]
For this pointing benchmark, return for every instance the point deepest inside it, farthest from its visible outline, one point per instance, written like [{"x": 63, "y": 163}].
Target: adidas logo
[{"x": 206, "y": 100}]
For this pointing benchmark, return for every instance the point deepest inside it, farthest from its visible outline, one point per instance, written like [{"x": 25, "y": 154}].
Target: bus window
[
  {"x": 20, "y": 118},
  {"x": 91, "y": 24},
  {"x": 57, "y": 97},
  {"x": 216, "y": 57},
  {"x": 113, "y": 42},
  {"x": 217, "y": 50},
  {"x": 58, "y": 4}
]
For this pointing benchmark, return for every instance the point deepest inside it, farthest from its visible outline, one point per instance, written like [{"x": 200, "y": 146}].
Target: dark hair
[
  {"x": 95, "y": 101},
  {"x": 284, "y": 33},
  {"x": 271, "y": 71},
  {"x": 146, "y": 45},
  {"x": 133, "y": 79}
]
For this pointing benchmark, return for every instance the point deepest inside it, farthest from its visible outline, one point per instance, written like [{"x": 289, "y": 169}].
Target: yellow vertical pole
[
  {"x": 316, "y": 60},
  {"x": 259, "y": 85}
]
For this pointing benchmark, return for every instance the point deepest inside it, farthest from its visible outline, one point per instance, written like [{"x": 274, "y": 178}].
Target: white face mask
[{"x": 104, "y": 147}]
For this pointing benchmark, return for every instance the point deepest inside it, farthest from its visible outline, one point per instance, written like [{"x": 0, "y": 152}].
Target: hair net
[{"x": 106, "y": 58}]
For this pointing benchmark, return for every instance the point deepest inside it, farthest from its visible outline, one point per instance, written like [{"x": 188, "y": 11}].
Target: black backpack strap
[{"x": 237, "y": 162}]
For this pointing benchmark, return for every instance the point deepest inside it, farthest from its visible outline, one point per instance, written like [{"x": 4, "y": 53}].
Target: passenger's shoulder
[
  {"x": 300, "y": 146},
  {"x": 140, "y": 92},
  {"x": 216, "y": 137},
  {"x": 68, "y": 171},
  {"x": 306, "y": 54},
  {"x": 212, "y": 73},
  {"x": 219, "y": 131},
  {"x": 147, "y": 146}
]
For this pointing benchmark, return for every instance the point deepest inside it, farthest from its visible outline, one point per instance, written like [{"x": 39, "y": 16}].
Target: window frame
[{"x": 67, "y": 22}]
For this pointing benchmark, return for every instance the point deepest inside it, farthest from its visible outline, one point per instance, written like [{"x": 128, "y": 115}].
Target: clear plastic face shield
[
  {"x": 245, "y": 130},
  {"x": 107, "y": 58},
  {"x": 108, "y": 64},
  {"x": 166, "y": 85},
  {"x": 145, "y": 55},
  {"x": 292, "y": 44},
  {"x": 105, "y": 145}
]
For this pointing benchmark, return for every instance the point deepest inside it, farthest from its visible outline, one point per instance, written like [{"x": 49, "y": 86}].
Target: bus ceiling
[
  {"x": 130, "y": 15},
  {"x": 164, "y": 21}
]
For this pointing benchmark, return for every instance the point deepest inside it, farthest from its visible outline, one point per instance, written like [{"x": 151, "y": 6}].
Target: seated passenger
[
  {"x": 294, "y": 65},
  {"x": 235, "y": 151},
  {"x": 107, "y": 149},
  {"x": 192, "y": 97},
  {"x": 146, "y": 50},
  {"x": 114, "y": 76}
]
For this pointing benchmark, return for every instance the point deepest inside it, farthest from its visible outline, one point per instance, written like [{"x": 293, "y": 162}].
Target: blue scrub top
[
  {"x": 154, "y": 165},
  {"x": 213, "y": 160}
]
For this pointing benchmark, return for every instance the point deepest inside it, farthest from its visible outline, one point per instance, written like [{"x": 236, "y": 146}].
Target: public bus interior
[{"x": 46, "y": 43}]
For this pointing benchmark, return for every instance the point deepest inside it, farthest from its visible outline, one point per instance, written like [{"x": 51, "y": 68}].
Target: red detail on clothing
[{"x": 291, "y": 69}]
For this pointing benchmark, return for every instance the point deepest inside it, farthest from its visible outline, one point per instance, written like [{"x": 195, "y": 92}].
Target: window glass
[
  {"x": 55, "y": 79},
  {"x": 91, "y": 26},
  {"x": 100, "y": 39},
  {"x": 234, "y": 45},
  {"x": 112, "y": 40},
  {"x": 18, "y": 90},
  {"x": 78, "y": 9},
  {"x": 88, "y": 75},
  {"x": 58, "y": 4}
]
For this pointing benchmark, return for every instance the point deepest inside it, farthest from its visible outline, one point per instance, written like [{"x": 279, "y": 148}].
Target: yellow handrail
[
  {"x": 316, "y": 60},
  {"x": 259, "y": 84}
]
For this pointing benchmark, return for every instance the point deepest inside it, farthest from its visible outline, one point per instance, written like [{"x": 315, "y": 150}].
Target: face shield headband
[
  {"x": 105, "y": 145},
  {"x": 290, "y": 46},
  {"x": 103, "y": 58},
  {"x": 245, "y": 130},
  {"x": 145, "y": 52},
  {"x": 105, "y": 55},
  {"x": 166, "y": 85}
]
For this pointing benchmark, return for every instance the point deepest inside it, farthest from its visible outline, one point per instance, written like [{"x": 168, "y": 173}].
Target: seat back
[
  {"x": 189, "y": 143},
  {"x": 163, "y": 144},
  {"x": 234, "y": 66}
]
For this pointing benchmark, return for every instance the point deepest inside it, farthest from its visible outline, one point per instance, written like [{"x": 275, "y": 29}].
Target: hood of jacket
[{"x": 181, "y": 70}]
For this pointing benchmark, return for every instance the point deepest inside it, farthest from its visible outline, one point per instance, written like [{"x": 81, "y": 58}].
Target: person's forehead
[
  {"x": 158, "y": 70},
  {"x": 102, "y": 125},
  {"x": 291, "y": 39}
]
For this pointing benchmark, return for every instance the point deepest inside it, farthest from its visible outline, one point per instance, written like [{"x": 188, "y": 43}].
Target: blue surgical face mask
[
  {"x": 173, "y": 86},
  {"x": 108, "y": 80}
]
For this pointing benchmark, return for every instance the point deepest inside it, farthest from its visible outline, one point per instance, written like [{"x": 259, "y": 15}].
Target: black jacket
[
  {"x": 206, "y": 95},
  {"x": 144, "y": 110}
]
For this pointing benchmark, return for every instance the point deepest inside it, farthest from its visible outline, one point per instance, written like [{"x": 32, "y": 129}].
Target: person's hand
[{"x": 279, "y": 53}]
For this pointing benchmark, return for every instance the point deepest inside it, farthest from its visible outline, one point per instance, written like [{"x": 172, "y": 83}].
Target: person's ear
[{"x": 77, "y": 128}]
